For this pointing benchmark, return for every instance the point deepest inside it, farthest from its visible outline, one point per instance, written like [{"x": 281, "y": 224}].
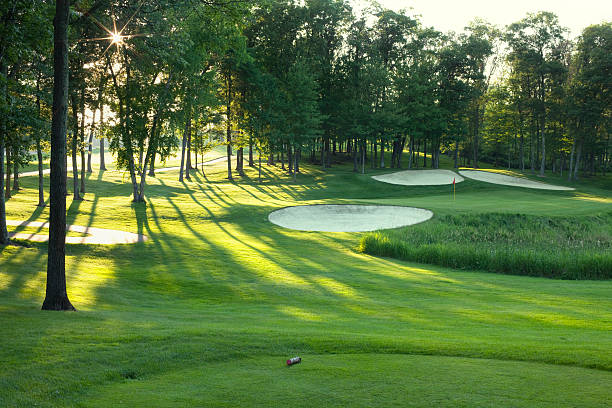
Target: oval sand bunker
[
  {"x": 420, "y": 177},
  {"x": 98, "y": 236},
  {"x": 505, "y": 180},
  {"x": 347, "y": 218}
]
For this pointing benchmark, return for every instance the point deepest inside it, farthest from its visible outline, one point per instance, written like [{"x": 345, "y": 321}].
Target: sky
[{"x": 454, "y": 15}]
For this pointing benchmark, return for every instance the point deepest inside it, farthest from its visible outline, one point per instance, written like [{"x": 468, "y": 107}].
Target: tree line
[{"x": 292, "y": 80}]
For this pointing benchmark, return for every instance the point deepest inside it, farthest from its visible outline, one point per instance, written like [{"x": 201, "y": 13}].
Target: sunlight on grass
[
  {"x": 299, "y": 313},
  {"x": 591, "y": 197},
  {"x": 498, "y": 171},
  {"x": 336, "y": 287}
]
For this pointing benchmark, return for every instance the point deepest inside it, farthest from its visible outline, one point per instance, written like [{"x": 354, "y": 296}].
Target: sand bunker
[
  {"x": 94, "y": 235},
  {"x": 347, "y": 218},
  {"x": 420, "y": 177},
  {"x": 497, "y": 178}
]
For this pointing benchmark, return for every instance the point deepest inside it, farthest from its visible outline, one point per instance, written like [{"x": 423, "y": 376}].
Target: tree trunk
[
  {"x": 188, "y": 166},
  {"x": 259, "y": 158},
  {"x": 382, "y": 154},
  {"x": 228, "y": 113},
  {"x": 41, "y": 191},
  {"x": 251, "y": 164},
  {"x": 476, "y": 136},
  {"x": 355, "y": 159},
  {"x": 293, "y": 164},
  {"x": 102, "y": 163},
  {"x": 83, "y": 140},
  {"x": 289, "y": 159},
  {"x": 543, "y": 163},
  {"x": 425, "y": 153},
  {"x": 7, "y": 192},
  {"x": 240, "y": 160},
  {"x": 402, "y": 145},
  {"x": 56, "y": 297},
  {"x": 577, "y": 164},
  {"x": 184, "y": 148},
  {"x": 456, "y": 152},
  {"x": 4, "y": 239},
  {"x": 522, "y": 152},
  {"x": 75, "y": 135},
  {"x": 362, "y": 150},
  {"x": 16, "y": 169},
  {"x": 90, "y": 149},
  {"x": 410, "y": 152}
]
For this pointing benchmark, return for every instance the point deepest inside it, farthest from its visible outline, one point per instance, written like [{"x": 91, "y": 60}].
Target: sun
[{"x": 116, "y": 38}]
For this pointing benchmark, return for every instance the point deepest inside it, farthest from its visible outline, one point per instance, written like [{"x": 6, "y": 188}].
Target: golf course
[
  {"x": 207, "y": 310},
  {"x": 305, "y": 203}
]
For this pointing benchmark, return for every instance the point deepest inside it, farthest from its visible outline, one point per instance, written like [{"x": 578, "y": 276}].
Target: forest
[{"x": 307, "y": 80}]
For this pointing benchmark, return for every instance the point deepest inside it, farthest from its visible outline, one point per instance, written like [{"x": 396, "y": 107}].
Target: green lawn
[{"x": 206, "y": 312}]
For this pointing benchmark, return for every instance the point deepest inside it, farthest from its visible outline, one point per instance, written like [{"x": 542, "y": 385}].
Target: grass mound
[{"x": 517, "y": 244}]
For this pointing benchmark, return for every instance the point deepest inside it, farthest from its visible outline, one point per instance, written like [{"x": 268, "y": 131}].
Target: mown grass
[
  {"x": 518, "y": 244},
  {"x": 206, "y": 312}
]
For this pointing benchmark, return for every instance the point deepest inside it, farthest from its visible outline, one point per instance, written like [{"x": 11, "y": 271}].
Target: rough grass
[
  {"x": 518, "y": 244},
  {"x": 206, "y": 312}
]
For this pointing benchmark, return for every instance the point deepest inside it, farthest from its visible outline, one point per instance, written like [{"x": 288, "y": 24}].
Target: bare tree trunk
[
  {"x": 456, "y": 152},
  {"x": 83, "y": 140},
  {"x": 56, "y": 297},
  {"x": 382, "y": 154},
  {"x": 41, "y": 191},
  {"x": 4, "y": 239},
  {"x": 577, "y": 165},
  {"x": 355, "y": 159},
  {"x": 183, "y": 149},
  {"x": 16, "y": 169},
  {"x": 228, "y": 113},
  {"x": 543, "y": 163},
  {"x": 90, "y": 149},
  {"x": 293, "y": 164},
  {"x": 362, "y": 150},
  {"x": 251, "y": 164},
  {"x": 75, "y": 170},
  {"x": 102, "y": 163},
  {"x": 410, "y": 151},
  {"x": 188, "y": 164},
  {"x": 7, "y": 192}
]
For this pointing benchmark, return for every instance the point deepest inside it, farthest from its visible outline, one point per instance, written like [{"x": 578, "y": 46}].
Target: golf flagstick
[{"x": 453, "y": 189}]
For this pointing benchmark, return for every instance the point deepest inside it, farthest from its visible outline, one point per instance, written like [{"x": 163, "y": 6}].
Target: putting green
[{"x": 364, "y": 380}]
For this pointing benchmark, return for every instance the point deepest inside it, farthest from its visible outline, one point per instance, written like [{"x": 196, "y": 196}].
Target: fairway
[{"x": 208, "y": 309}]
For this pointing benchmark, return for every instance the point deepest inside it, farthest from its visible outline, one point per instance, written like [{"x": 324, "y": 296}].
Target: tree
[
  {"x": 533, "y": 42},
  {"x": 56, "y": 297}
]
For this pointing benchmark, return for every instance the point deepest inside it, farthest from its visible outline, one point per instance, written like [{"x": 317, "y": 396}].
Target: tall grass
[{"x": 552, "y": 247}]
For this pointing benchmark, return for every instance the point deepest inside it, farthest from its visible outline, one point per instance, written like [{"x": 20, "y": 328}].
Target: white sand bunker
[
  {"x": 94, "y": 235},
  {"x": 347, "y": 218},
  {"x": 420, "y": 177},
  {"x": 497, "y": 178}
]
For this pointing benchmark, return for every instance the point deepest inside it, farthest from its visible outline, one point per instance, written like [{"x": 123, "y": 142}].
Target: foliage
[{"x": 552, "y": 247}]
